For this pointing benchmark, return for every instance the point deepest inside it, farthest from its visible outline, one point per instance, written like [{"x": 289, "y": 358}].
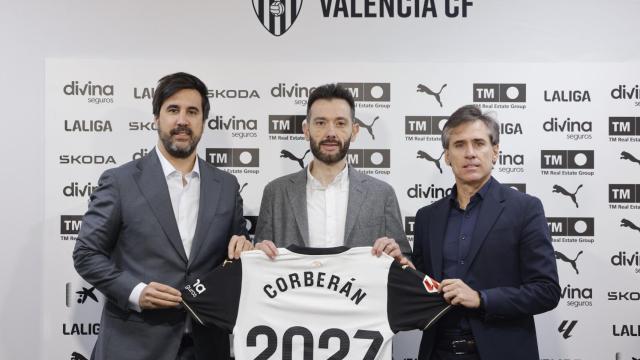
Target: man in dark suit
[
  {"x": 491, "y": 245},
  {"x": 151, "y": 224}
]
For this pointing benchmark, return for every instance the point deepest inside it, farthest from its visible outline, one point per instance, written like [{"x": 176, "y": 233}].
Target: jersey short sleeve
[
  {"x": 413, "y": 299},
  {"x": 213, "y": 298}
]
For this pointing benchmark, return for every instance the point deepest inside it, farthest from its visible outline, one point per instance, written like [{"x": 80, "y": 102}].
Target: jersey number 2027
[{"x": 307, "y": 339}]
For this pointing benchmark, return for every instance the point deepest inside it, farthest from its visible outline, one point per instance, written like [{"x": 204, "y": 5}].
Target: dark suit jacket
[
  {"x": 372, "y": 212},
  {"x": 130, "y": 235},
  {"x": 511, "y": 260}
]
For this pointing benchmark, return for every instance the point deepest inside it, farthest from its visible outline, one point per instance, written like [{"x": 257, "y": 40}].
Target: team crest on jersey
[
  {"x": 277, "y": 16},
  {"x": 430, "y": 285}
]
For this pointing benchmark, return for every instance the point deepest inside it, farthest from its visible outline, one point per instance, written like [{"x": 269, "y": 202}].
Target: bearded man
[
  {"x": 329, "y": 203},
  {"x": 151, "y": 225}
]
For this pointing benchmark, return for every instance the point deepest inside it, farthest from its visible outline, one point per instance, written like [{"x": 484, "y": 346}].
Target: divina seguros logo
[{"x": 94, "y": 93}]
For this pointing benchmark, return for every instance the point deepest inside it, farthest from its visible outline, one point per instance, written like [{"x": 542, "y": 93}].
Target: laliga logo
[
  {"x": 196, "y": 289},
  {"x": 430, "y": 285}
]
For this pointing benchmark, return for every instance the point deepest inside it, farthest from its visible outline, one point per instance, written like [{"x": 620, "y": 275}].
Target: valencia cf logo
[{"x": 277, "y": 16}]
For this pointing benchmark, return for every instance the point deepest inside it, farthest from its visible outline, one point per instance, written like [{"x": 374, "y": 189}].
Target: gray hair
[{"x": 467, "y": 114}]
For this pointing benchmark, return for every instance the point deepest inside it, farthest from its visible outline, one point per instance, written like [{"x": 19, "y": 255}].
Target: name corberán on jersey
[
  {"x": 370, "y": 161},
  {"x": 239, "y": 127},
  {"x": 395, "y": 8},
  {"x": 341, "y": 285},
  {"x": 511, "y": 163},
  {"x": 624, "y": 196},
  {"x": 95, "y": 93},
  {"x": 88, "y": 126},
  {"x": 572, "y": 229},
  {"x": 567, "y": 162},
  {"x": 564, "y": 96},
  {"x": 624, "y": 129},
  {"x": 424, "y": 128},
  {"x": 574, "y": 129},
  {"x": 235, "y": 160},
  {"x": 286, "y": 127},
  {"x": 500, "y": 96},
  {"x": 70, "y": 226}
]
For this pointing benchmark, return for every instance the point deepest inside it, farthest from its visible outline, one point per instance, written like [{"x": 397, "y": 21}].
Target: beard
[
  {"x": 172, "y": 148},
  {"x": 343, "y": 148}
]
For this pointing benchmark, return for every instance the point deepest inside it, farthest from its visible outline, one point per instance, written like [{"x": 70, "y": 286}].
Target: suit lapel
[
  {"x": 209, "y": 199},
  {"x": 437, "y": 228},
  {"x": 297, "y": 195},
  {"x": 357, "y": 195},
  {"x": 492, "y": 207},
  {"x": 152, "y": 185}
]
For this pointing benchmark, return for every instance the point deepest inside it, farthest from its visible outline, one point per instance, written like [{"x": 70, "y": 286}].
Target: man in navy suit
[
  {"x": 151, "y": 225},
  {"x": 491, "y": 247}
]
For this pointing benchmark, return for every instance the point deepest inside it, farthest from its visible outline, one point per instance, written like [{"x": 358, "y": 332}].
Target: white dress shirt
[
  {"x": 327, "y": 209},
  {"x": 184, "y": 191}
]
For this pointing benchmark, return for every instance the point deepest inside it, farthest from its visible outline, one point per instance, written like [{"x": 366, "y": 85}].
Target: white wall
[{"x": 30, "y": 31}]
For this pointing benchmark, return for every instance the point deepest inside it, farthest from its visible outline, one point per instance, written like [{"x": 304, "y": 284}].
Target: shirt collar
[
  {"x": 341, "y": 180},
  {"x": 481, "y": 194},
  {"x": 168, "y": 168}
]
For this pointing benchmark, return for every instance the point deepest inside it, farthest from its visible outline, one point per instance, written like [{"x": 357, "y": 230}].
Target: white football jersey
[{"x": 311, "y": 303}]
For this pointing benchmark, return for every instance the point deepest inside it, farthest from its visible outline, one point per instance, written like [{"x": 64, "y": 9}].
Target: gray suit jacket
[
  {"x": 372, "y": 212},
  {"x": 129, "y": 235}
]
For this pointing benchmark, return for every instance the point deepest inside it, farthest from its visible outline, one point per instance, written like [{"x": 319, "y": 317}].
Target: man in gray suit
[
  {"x": 153, "y": 223},
  {"x": 330, "y": 203}
]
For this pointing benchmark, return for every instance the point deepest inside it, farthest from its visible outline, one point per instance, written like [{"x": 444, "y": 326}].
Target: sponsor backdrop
[{"x": 570, "y": 135}]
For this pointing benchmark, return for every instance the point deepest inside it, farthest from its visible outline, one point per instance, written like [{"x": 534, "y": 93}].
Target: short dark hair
[
  {"x": 329, "y": 92},
  {"x": 171, "y": 84},
  {"x": 467, "y": 114}
]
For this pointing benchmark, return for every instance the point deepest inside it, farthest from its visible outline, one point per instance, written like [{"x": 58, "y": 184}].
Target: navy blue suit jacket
[{"x": 511, "y": 260}]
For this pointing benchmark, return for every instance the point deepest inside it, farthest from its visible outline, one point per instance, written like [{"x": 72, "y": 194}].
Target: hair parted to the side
[
  {"x": 467, "y": 114},
  {"x": 171, "y": 84},
  {"x": 329, "y": 92}
]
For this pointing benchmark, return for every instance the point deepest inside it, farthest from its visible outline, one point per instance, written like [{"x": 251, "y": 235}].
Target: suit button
[{"x": 461, "y": 262}]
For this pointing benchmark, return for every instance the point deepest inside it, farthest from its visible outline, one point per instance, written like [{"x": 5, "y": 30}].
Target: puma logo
[
  {"x": 559, "y": 189},
  {"x": 424, "y": 155},
  {"x": 563, "y": 257},
  {"x": 286, "y": 154},
  {"x": 424, "y": 89},
  {"x": 629, "y": 224},
  {"x": 626, "y": 156},
  {"x": 242, "y": 188},
  {"x": 368, "y": 127}
]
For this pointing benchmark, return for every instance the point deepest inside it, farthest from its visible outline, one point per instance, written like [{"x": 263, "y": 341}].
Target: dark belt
[{"x": 457, "y": 346}]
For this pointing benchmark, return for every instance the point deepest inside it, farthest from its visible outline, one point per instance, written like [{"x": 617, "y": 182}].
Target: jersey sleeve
[
  {"x": 413, "y": 300},
  {"x": 213, "y": 299}
]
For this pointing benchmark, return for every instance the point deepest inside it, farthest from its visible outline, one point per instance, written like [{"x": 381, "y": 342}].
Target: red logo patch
[{"x": 430, "y": 285}]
